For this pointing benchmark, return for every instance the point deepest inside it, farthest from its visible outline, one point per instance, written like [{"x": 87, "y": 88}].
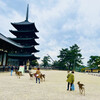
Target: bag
[
  {"x": 72, "y": 87},
  {"x": 37, "y": 75}
]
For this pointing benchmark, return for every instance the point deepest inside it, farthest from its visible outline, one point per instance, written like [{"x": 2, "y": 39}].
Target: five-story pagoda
[{"x": 25, "y": 36}]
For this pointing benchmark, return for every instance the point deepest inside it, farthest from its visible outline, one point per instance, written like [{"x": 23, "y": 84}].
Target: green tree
[
  {"x": 34, "y": 63},
  {"x": 55, "y": 64},
  {"x": 94, "y": 61},
  {"x": 70, "y": 58},
  {"x": 46, "y": 61}
]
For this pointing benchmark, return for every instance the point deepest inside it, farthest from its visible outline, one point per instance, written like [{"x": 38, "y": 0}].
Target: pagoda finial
[{"x": 27, "y": 12}]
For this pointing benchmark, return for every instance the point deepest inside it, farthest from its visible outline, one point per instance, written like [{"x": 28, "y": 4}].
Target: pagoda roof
[
  {"x": 25, "y": 33},
  {"x": 30, "y": 41},
  {"x": 20, "y": 55},
  {"x": 25, "y": 56},
  {"x": 25, "y": 26},
  {"x": 23, "y": 23},
  {"x": 30, "y": 49},
  {"x": 22, "y": 38},
  {"x": 11, "y": 42},
  {"x": 32, "y": 46},
  {"x": 5, "y": 39}
]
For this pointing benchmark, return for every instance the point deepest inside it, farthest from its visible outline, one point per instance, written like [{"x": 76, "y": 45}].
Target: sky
[{"x": 61, "y": 24}]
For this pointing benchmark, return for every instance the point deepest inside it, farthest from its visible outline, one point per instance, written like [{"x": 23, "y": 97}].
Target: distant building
[
  {"x": 17, "y": 51},
  {"x": 94, "y": 70}
]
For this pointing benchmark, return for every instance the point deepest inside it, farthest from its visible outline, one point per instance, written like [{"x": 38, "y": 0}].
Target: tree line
[{"x": 70, "y": 59}]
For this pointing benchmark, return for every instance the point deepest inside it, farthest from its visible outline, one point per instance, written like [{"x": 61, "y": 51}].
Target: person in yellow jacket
[
  {"x": 38, "y": 74},
  {"x": 70, "y": 80}
]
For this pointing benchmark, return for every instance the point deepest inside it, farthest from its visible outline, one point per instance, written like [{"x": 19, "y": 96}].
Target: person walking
[
  {"x": 12, "y": 70},
  {"x": 70, "y": 80},
  {"x": 38, "y": 75}
]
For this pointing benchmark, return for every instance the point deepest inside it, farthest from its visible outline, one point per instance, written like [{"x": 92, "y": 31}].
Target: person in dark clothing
[
  {"x": 12, "y": 69},
  {"x": 3, "y": 68},
  {"x": 9, "y": 68},
  {"x": 16, "y": 68}
]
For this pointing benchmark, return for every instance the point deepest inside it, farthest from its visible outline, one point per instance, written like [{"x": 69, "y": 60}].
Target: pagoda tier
[
  {"x": 25, "y": 41},
  {"x": 25, "y": 25},
  {"x": 29, "y": 49},
  {"x": 22, "y": 56},
  {"x": 22, "y": 49},
  {"x": 8, "y": 44},
  {"x": 27, "y": 33}
]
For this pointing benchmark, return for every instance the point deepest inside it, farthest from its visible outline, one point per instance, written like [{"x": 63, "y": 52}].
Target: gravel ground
[{"x": 54, "y": 87}]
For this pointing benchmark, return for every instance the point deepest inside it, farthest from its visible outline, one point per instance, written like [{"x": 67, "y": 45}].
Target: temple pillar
[
  {"x": 1, "y": 59},
  {"x": 4, "y": 59}
]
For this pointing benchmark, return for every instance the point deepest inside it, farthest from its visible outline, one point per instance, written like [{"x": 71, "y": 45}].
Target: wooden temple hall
[{"x": 17, "y": 51}]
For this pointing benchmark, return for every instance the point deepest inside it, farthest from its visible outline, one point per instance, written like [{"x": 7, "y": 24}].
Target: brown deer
[
  {"x": 42, "y": 77},
  {"x": 81, "y": 87},
  {"x": 18, "y": 73}
]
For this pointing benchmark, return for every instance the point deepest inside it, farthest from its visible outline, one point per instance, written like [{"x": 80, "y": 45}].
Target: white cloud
[
  {"x": 81, "y": 17},
  {"x": 3, "y": 5},
  {"x": 8, "y": 17},
  {"x": 89, "y": 47}
]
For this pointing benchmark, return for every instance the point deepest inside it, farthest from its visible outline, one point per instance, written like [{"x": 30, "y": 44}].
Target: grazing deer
[
  {"x": 31, "y": 75},
  {"x": 42, "y": 77},
  {"x": 18, "y": 73},
  {"x": 81, "y": 87}
]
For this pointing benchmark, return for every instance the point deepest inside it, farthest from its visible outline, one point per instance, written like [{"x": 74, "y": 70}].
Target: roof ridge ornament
[{"x": 27, "y": 12}]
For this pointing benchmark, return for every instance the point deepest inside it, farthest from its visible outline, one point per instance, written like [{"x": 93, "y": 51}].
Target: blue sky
[{"x": 61, "y": 23}]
